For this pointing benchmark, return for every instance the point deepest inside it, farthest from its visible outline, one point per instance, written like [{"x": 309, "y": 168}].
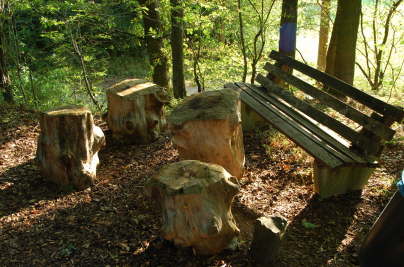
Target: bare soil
[{"x": 113, "y": 223}]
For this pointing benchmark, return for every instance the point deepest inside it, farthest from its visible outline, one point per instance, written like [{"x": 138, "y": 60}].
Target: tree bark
[
  {"x": 288, "y": 27},
  {"x": 177, "y": 48},
  {"x": 323, "y": 35},
  {"x": 154, "y": 42},
  {"x": 5, "y": 85},
  {"x": 342, "y": 48}
]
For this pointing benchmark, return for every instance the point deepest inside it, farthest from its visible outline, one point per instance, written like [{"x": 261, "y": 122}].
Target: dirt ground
[{"x": 113, "y": 223}]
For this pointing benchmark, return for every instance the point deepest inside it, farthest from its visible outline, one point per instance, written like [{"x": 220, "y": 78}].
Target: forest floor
[{"x": 113, "y": 223}]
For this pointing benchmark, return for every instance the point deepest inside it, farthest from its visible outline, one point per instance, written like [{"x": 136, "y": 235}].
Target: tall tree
[
  {"x": 5, "y": 85},
  {"x": 323, "y": 35},
  {"x": 154, "y": 41},
  {"x": 342, "y": 49},
  {"x": 177, "y": 48},
  {"x": 288, "y": 27}
]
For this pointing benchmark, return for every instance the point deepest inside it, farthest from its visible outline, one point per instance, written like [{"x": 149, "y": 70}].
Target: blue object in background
[
  {"x": 400, "y": 184},
  {"x": 287, "y": 40}
]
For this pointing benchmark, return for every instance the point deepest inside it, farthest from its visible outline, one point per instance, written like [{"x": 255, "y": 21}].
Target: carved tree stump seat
[
  {"x": 68, "y": 146},
  {"x": 207, "y": 127},
  {"x": 135, "y": 111},
  {"x": 196, "y": 198}
]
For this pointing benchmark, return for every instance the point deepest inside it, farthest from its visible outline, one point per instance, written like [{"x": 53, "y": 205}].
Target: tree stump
[
  {"x": 196, "y": 198},
  {"x": 68, "y": 146},
  {"x": 135, "y": 111},
  {"x": 268, "y": 235},
  {"x": 207, "y": 127}
]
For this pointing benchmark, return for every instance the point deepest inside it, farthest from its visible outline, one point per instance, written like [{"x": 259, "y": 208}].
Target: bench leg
[{"x": 334, "y": 181}]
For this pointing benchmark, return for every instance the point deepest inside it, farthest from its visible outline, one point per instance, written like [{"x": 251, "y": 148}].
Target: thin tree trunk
[
  {"x": 288, "y": 27},
  {"x": 198, "y": 78},
  {"x": 260, "y": 36},
  {"x": 87, "y": 81},
  {"x": 154, "y": 42},
  {"x": 34, "y": 95},
  {"x": 177, "y": 48},
  {"x": 242, "y": 40},
  {"x": 323, "y": 35},
  {"x": 16, "y": 55},
  {"x": 342, "y": 49}
]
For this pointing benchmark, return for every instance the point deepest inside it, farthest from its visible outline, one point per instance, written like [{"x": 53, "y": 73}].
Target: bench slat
[
  {"x": 291, "y": 130},
  {"x": 319, "y": 116},
  {"x": 307, "y": 124},
  {"x": 365, "y": 99},
  {"x": 372, "y": 125}
]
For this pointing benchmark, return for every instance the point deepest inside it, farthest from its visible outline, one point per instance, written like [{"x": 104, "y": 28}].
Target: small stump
[
  {"x": 268, "y": 234},
  {"x": 135, "y": 111},
  {"x": 196, "y": 198},
  {"x": 207, "y": 127},
  {"x": 68, "y": 146}
]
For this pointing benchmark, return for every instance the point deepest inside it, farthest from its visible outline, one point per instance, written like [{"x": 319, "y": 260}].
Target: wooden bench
[{"x": 344, "y": 157}]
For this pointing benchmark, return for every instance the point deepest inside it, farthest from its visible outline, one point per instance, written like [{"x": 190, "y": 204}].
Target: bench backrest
[{"x": 375, "y": 128}]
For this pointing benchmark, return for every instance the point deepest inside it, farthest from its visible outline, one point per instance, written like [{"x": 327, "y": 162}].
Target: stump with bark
[
  {"x": 68, "y": 146},
  {"x": 135, "y": 111},
  {"x": 207, "y": 127},
  {"x": 196, "y": 198}
]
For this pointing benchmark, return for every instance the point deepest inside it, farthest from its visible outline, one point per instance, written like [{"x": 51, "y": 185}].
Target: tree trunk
[
  {"x": 323, "y": 35},
  {"x": 154, "y": 42},
  {"x": 68, "y": 146},
  {"x": 195, "y": 199},
  {"x": 242, "y": 41},
  {"x": 288, "y": 27},
  {"x": 207, "y": 127},
  {"x": 342, "y": 48},
  {"x": 4, "y": 79},
  {"x": 177, "y": 40},
  {"x": 5, "y": 85}
]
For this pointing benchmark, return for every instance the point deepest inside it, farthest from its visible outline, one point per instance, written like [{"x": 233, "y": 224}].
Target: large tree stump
[
  {"x": 68, "y": 146},
  {"x": 135, "y": 110},
  {"x": 207, "y": 127},
  {"x": 196, "y": 198}
]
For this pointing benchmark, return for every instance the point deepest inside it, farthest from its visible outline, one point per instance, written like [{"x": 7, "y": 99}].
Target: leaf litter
[{"x": 113, "y": 223}]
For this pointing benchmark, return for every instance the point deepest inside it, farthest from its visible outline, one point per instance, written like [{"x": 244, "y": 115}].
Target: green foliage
[
  {"x": 46, "y": 71},
  {"x": 107, "y": 33}
]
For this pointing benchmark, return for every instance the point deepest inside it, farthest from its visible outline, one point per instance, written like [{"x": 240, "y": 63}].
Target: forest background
[{"x": 68, "y": 52}]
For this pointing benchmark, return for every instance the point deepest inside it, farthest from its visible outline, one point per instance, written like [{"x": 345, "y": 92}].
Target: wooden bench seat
[{"x": 344, "y": 156}]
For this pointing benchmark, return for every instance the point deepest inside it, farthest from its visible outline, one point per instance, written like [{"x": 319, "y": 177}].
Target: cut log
[
  {"x": 195, "y": 198},
  {"x": 340, "y": 180},
  {"x": 207, "y": 127},
  {"x": 267, "y": 238},
  {"x": 135, "y": 111},
  {"x": 68, "y": 146}
]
